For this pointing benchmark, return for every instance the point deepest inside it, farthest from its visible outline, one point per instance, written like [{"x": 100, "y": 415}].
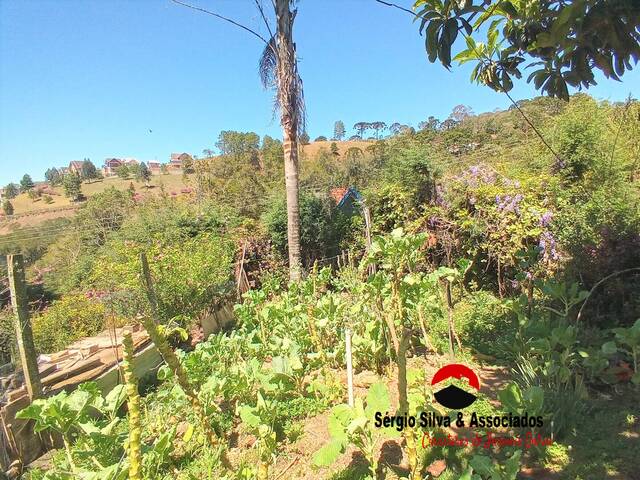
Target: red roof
[{"x": 338, "y": 193}]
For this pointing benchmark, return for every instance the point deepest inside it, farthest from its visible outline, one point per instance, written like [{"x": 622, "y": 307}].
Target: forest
[{"x": 504, "y": 244}]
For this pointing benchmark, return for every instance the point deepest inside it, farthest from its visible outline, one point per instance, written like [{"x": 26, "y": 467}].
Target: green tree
[
  {"x": 52, "y": 175},
  {"x": 26, "y": 183},
  {"x": 338, "y": 130},
  {"x": 72, "y": 184},
  {"x": 378, "y": 127},
  {"x": 123, "y": 172},
  {"x": 272, "y": 154},
  {"x": 304, "y": 138},
  {"x": 322, "y": 226},
  {"x": 89, "y": 171},
  {"x": 237, "y": 144},
  {"x": 143, "y": 174},
  {"x": 11, "y": 190},
  {"x": 361, "y": 128},
  {"x": 188, "y": 166},
  {"x": 321, "y": 138},
  {"x": 7, "y": 207},
  {"x": 164, "y": 170},
  {"x": 334, "y": 149},
  {"x": 567, "y": 40},
  {"x": 431, "y": 124}
]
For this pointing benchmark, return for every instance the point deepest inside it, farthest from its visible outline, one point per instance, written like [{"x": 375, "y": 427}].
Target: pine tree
[
  {"x": 338, "y": 130},
  {"x": 26, "y": 183}
]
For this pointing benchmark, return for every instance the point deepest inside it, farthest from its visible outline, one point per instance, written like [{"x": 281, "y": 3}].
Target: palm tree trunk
[{"x": 288, "y": 99}]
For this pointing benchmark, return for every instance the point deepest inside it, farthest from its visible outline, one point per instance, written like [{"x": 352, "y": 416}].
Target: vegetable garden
[{"x": 520, "y": 269}]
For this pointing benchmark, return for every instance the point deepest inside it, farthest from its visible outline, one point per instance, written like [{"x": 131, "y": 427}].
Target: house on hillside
[
  {"x": 75, "y": 166},
  {"x": 177, "y": 160},
  {"x": 110, "y": 165},
  {"x": 63, "y": 170},
  {"x": 347, "y": 198},
  {"x": 130, "y": 162},
  {"x": 153, "y": 166}
]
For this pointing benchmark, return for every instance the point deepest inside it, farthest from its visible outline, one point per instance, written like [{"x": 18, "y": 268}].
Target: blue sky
[{"x": 87, "y": 78}]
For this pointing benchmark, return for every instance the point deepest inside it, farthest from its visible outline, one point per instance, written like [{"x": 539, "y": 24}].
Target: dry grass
[
  {"x": 23, "y": 204},
  {"x": 313, "y": 148}
]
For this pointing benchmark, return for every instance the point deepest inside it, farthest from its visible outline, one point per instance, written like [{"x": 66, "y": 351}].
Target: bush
[
  {"x": 69, "y": 319},
  {"x": 322, "y": 227},
  {"x": 189, "y": 275}
]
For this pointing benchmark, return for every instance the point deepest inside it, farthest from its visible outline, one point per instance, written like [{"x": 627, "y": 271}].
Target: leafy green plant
[
  {"x": 354, "y": 425},
  {"x": 261, "y": 420},
  {"x": 70, "y": 415},
  {"x": 630, "y": 339},
  {"x": 484, "y": 468}
]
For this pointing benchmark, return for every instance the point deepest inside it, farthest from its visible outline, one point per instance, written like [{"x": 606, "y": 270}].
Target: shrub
[
  {"x": 71, "y": 318},
  {"x": 7, "y": 207},
  {"x": 322, "y": 226},
  {"x": 189, "y": 274}
]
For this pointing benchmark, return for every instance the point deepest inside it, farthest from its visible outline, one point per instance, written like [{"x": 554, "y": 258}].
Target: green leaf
[
  {"x": 482, "y": 465},
  {"x": 609, "y": 348},
  {"x": 248, "y": 416},
  {"x": 338, "y": 420},
  {"x": 114, "y": 399},
  {"x": 329, "y": 453},
  {"x": 534, "y": 396},
  {"x": 511, "y": 398},
  {"x": 512, "y": 466},
  {"x": 377, "y": 399},
  {"x": 466, "y": 475}
]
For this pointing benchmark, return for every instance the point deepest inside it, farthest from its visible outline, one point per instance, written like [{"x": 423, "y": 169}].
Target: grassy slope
[{"x": 23, "y": 204}]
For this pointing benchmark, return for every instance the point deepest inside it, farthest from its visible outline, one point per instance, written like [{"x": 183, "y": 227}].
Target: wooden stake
[
  {"x": 24, "y": 335},
  {"x": 347, "y": 334}
]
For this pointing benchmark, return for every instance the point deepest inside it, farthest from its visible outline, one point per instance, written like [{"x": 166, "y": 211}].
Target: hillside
[{"x": 38, "y": 211}]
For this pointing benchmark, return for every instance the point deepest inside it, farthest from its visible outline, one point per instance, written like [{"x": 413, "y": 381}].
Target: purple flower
[
  {"x": 508, "y": 203},
  {"x": 547, "y": 245},
  {"x": 546, "y": 218}
]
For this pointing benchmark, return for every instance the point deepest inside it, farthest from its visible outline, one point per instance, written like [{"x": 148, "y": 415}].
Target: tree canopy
[{"x": 562, "y": 42}]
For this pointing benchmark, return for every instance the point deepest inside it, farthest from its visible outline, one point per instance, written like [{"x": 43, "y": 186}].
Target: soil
[{"x": 295, "y": 461}]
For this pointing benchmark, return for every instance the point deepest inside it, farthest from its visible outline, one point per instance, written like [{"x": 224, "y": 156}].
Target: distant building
[
  {"x": 75, "y": 167},
  {"x": 154, "y": 166},
  {"x": 110, "y": 165},
  {"x": 177, "y": 159}
]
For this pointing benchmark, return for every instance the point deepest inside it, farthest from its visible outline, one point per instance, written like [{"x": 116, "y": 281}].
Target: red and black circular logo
[{"x": 452, "y": 396}]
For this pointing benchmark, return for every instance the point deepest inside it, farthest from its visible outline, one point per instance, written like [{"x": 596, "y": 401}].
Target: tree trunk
[{"x": 288, "y": 92}]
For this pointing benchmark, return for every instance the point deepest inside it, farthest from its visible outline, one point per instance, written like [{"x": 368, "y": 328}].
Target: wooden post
[
  {"x": 367, "y": 230},
  {"x": 347, "y": 334},
  {"x": 24, "y": 336}
]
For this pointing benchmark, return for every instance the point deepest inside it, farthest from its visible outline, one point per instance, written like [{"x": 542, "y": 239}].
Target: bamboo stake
[{"x": 347, "y": 334}]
